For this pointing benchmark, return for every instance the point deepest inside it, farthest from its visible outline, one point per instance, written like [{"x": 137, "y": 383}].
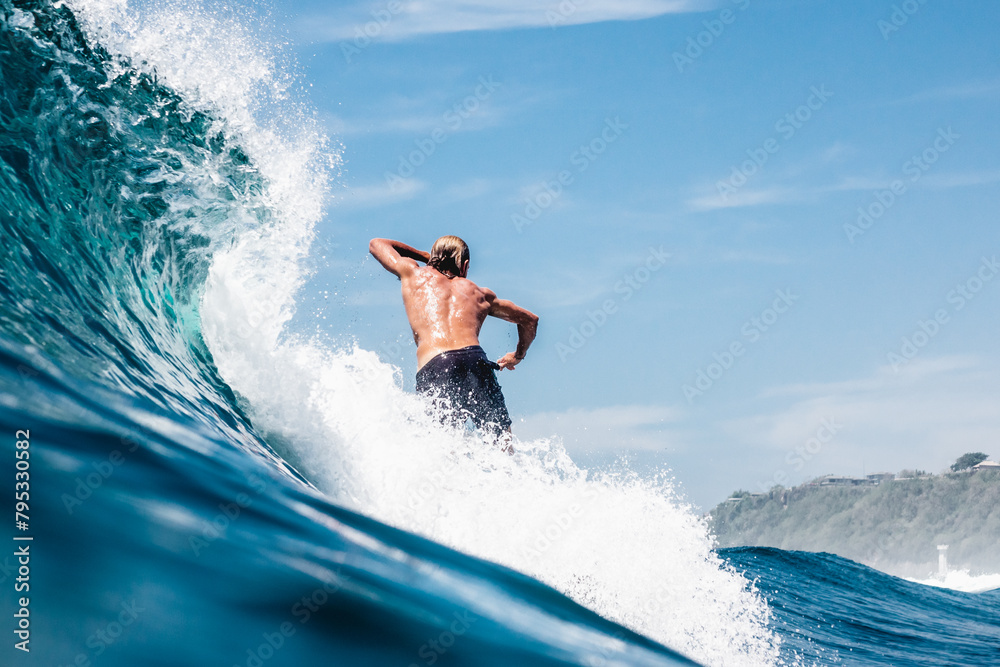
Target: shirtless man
[{"x": 446, "y": 312}]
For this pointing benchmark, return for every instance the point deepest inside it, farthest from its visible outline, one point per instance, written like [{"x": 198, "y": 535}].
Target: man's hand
[
  {"x": 508, "y": 361},
  {"x": 527, "y": 327}
]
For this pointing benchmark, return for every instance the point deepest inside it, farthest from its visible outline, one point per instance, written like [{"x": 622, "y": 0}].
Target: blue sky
[{"x": 575, "y": 144}]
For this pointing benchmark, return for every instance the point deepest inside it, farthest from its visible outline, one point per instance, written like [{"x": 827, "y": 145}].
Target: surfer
[{"x": 446, "y": 310}]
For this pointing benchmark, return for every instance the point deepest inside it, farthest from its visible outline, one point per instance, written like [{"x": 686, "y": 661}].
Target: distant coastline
[{"x": 893, "y": 522}]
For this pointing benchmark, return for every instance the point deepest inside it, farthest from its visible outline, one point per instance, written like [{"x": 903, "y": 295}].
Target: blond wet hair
[{"x": 448, "y": 255}]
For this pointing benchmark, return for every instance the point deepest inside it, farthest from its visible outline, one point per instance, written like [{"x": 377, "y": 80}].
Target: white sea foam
[
  {"x": 626, "y": 547},
  {"x": 962, "y": 580}
]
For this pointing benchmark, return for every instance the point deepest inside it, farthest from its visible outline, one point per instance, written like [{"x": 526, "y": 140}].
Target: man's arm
[
  {"x": 527, "y": 327},
  {"x": 397, "y": 258}
]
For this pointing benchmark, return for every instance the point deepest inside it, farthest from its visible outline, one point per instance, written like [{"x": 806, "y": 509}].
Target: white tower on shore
[{"x": 942, "y": 560}]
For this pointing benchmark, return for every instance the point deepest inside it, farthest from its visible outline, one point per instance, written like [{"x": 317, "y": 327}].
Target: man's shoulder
[
  {"x": 423, "y": 273},
  {"x": 471, "y": 286},
  {"x": 406, "y": 267},
  {"x": 456, "y": 285}
]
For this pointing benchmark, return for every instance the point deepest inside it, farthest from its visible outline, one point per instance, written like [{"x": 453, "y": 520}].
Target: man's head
[{"x": 449, "y": 254}]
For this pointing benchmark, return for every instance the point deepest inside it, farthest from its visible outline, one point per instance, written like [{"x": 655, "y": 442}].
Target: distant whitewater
[
  {"x": 209, "y": 489},
  {"x": 961, "y": 580}
]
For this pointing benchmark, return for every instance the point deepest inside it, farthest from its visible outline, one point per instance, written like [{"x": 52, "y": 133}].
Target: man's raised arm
[
  {"x": 397, "y": 258},
  {"x": 527, "y": 327}
]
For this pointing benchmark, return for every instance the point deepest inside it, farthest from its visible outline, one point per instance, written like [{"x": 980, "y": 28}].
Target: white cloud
[
  {"x": 936, "y": 181},
  {"x": 754, "y": 257},
  {"x": 466, "y": 190},
  {"x": 375, "y": 21},
  {"x": 590, "y": 284},
  {"x": 613, "y": 428},
  {"x": 775, "y": 196},
  {"x": 380, "y": 194},
  {"x": 744, "y": 198},
  {"x": 962, "y": 179},
  {"x": 924, "y": 416},
  {"x": 955, "y": 91},
  {"x": 464, "y": 105},
  {"x": 417, "y": 123}
]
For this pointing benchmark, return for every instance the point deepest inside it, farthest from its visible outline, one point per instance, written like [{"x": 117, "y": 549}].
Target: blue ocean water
[{"x": 205, "y": 488}]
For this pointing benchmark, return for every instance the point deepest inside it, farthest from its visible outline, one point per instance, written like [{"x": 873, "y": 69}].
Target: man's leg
[
  {"x": 489, "y": 409},
  {"x": 437, "y": 386}
]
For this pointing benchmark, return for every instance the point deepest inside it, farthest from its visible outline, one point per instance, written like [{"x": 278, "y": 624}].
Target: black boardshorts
[{"x": 463, "y": 384}]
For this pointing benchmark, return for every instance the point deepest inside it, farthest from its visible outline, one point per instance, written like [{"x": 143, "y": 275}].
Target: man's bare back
[{"x": 446, "y": 311}]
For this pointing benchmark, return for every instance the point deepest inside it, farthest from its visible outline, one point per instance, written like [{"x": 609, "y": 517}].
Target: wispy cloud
[
  {"x": 754, "y": 257},
  {"x": 962, "y": 179},
  {"x": 466, "y": 190},
  {"x": 380, "y": 194},
  {"x": 936, "y": 181},
  {"x": 614, "y": 428},
  {"x": 924, "y": 416},
  {"x": 414, "y": 122},
  {"x": 744, "y": 198},
  {"x": 958, "y": 91},
  {"x": 591, "y": 283},
  {"x": 811, "y": 194},
  {"x": 464, "y": 106},
  {"x": 450, "y": 16}
]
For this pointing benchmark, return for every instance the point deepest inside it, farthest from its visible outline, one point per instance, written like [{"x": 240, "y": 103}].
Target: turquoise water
[{"x": 207, "y": 489}]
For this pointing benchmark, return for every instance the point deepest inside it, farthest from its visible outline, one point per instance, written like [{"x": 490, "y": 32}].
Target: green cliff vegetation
[{"x": 892, "y": 524}]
